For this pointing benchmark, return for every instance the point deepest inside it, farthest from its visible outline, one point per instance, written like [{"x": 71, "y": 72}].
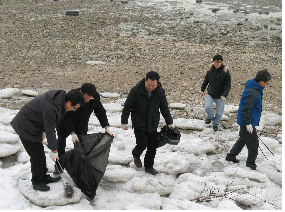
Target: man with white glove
[
  {"x": 145, "y": 102},
  {"x": 53, "y": 155},
  {"x": 36, "y": 120},
  {"x": 74, "y": 137},
  {"x": 249, "y": 113},
  {"x": 76, "y": 122}
]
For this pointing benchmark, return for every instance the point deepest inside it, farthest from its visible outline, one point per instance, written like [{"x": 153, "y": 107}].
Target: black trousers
[
  {"x": 38, "y": 160},
  {"x": 146, "y": 140},
  {"x": 62, "y": 134},
  {"x": 251, "y": 142}
]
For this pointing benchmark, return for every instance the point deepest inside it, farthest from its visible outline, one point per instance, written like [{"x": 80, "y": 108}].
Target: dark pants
[
  {"x": 38, "y": 160},
  {"x": 251, "y": 142},
  {"x": 62, "y": 134},
  {"x": 146, "y": 140}
]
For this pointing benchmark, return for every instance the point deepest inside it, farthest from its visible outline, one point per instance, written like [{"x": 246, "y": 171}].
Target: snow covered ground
[{"x": 193, "y": 174}]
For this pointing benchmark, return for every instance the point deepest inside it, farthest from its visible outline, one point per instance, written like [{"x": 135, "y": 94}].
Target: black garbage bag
[
  {"x": 168, "y": 136},
  {"x": 87, "y": 162}
]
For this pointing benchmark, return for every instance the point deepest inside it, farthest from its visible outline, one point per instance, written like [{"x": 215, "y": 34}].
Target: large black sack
[{"x": 87, "y": 162}]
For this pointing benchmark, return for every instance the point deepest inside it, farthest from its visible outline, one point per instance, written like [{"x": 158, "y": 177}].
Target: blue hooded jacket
[{"x": 250, "y": 106}]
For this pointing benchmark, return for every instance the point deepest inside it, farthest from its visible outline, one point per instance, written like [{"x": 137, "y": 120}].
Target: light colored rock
[{"x": 7, "y": 93}]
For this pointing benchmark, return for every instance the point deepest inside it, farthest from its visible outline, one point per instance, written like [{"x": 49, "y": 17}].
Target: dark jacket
[
  {"x": 41, "y": 115},
  {"x": 219, "y": 81},
  {"x": 145, "y": 110},
  {"x": 250, "y": 106},
  {"x": 77, "y": 121}
]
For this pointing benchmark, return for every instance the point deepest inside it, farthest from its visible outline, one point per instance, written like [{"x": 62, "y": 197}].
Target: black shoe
[
  {"x": 251, "y": 165},
  {"x": 138, "y": 162},
  {"x": 208, "y": 121},
  {"x": 215, "y": 128},
  {"x": 233, "y": 159},
  {"x": 152, "y": 171},
  {"x": 49, "y": 179},
  {"x": 41, "y": 187}
]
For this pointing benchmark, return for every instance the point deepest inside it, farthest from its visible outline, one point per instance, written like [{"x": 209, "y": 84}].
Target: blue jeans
[{"x": 220, "y": 105}]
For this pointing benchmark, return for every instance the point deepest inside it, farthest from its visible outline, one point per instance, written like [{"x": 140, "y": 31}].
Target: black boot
[
  {"x": 232, "y": 158},
  {"x": 138, "y": 162},
  {"x": 208, "y": 121},
  {"x": 49, "y": 179},
  {"x": 41, "y": 187},
  {"x": 251, "y": 165},
  {"x": 152, "y": 171}
]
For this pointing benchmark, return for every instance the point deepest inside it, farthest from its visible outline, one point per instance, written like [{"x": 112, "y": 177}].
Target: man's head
[
  {"x": 73, "y": 100},
  {"x": 263, "y": 77},
  {"x": 151, "y": 80},
  {"x": 88, "y": 90},
  {"x": 218, "y": 61}
]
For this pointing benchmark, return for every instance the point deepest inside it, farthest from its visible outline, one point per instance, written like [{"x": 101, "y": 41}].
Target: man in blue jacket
[{"x": 249, "y": 113}]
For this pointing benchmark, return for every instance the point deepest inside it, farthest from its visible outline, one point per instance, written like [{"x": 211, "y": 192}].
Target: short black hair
[
  {"x": 75, "y": 97},
  {"x": 263, "y": 75},
  {"x": 88, "y": 88},
  {"x": 152, "y": 75},
  {"x": 218, "y": 57}
]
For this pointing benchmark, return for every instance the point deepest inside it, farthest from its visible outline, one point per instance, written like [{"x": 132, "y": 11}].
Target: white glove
[
  {"x": 107, "y": 130},
  {"x": 43, "y": 136},
  {"x": 53, "y": 155},
  {"x": 74, "y": 137},
  {"x": 223, "y": 98},
  {"x": 171, "y": 126},
  {"x": 124, "y": 126},
  {"x": 249, "y": 128}
]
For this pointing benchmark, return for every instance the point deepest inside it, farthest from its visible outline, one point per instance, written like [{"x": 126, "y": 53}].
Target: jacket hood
[
  {"x": 55, "y": 97},
  {"x": 253, "y": 84}
]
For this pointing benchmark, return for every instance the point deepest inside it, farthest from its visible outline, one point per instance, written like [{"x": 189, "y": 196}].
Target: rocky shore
[{"x": 42, "y": 48}]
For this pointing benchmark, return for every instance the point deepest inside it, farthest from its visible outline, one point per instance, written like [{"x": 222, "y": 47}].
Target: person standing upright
[
  {"x": 218, "y": 80},
  {"x": 248, "y": 117},
  {"x": 144, "y": 102}
]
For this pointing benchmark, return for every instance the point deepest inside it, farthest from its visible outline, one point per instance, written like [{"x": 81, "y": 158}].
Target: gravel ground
[{"x": 42, "y": 48}]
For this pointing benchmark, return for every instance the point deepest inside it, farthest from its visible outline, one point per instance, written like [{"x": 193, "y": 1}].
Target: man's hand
[
  {"x": 74, "y": 137},
  {"x": 202, "y": 93},
  {"x": 107, "y": 130},
  {"x": 249, "y": 128},
  {"x": 53, "y": 155},
  {"x": 223, "y": 98},
  {"x": 124, "y": 126},
  {"x": 43, "y": 136},
  {"x": 171, "y": 126}
]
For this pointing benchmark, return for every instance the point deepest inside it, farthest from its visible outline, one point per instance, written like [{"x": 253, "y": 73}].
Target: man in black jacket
[
  {"x": 38, "y": 117},
  {"x": 218, "y": 79},
  {"x": 144, "y": 101},
  {"x": 76, "y": 122}
]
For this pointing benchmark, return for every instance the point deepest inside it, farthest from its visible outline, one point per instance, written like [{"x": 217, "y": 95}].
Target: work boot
[
  {"x": 152, "y": 171},
  {"x": 251, "y": 165},
  {"x": 57, "y": 171},
  {"x": 41, "y": 187},
  {"x": 215, "y": 128},
  {"x": 138, "y": 162},
  {"x": 49, "y": 179},
  {"x": 232, "y": 158},
  {"x": 208, "y": 121}
]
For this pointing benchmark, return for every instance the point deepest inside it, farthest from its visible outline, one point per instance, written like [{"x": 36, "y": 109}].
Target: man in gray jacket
[
  {"x": 38, "y": 117},
  {"x": 144, "y": 102}
]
